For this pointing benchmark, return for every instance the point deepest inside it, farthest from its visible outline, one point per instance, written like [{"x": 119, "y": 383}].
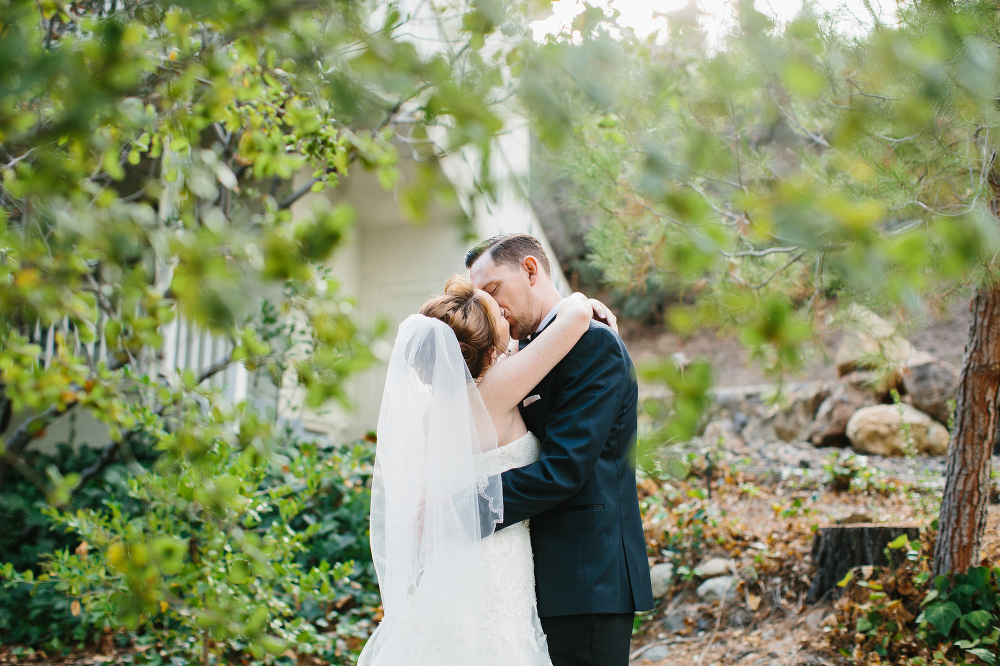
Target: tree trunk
[
  {"x": 839, "y": 548},
  {"x": 967, "y": 480}
]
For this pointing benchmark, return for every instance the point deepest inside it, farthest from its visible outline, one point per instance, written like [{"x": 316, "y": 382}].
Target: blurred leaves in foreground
[{"x": 168, "y": 164}]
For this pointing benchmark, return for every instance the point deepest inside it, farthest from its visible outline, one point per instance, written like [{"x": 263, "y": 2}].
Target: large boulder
[
  {"x": 791, "y": 416},
  {"x": 867, "y": 339},
  {"x": 829, "y": 428},
  {"x": 930, "y": 385},
  {"x": 794, "y": 418},
  {"x": 881, "y": 430}
]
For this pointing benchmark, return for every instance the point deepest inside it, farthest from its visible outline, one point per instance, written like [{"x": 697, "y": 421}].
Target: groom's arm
[{"x": 592, "y": 379}]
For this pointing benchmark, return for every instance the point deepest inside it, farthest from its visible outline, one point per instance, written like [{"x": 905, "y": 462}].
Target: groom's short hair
[{"x": 510, "y": 249}]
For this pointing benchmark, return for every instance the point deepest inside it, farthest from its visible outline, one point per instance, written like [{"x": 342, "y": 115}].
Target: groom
[{"x": 591, "y": 571}]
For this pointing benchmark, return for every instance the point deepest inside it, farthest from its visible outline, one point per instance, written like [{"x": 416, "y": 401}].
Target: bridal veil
[{"x": 427, "y": 520}]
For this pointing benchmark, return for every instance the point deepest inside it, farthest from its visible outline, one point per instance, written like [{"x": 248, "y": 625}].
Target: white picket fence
[{"x": 185, "y": 346}]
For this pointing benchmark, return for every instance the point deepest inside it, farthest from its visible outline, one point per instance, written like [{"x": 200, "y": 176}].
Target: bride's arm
[{"x": 508, "y": 382}]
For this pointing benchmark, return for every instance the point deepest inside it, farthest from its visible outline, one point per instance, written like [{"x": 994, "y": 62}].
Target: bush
[
  {"x": 902, "y": 616},
  {"x": 44, "y": 619},
  {"x": 244, "y": 555}
]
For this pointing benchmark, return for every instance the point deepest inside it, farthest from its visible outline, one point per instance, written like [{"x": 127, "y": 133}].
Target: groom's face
[{"x": 511, "y": 287}]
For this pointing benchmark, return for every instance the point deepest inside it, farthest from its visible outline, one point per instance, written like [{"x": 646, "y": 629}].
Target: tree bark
[
  {"x": 839, "y": 548},
  {"x": 967, "y": 480}
]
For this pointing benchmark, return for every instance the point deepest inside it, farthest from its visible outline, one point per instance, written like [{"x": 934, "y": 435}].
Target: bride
[{"x": 453, "y": 592}]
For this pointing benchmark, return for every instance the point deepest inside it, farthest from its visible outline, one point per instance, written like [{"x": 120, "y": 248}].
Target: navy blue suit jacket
[{"x": 586, "y": 532}]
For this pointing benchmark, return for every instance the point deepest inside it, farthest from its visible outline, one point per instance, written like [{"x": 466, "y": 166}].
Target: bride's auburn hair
[{"x": 468, "y": 314}]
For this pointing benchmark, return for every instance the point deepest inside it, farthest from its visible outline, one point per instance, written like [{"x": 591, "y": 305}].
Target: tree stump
[{"x": 839, "y": 548}]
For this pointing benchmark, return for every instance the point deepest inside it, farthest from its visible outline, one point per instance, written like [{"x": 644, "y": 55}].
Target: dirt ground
[
  {"x": 766, "y": 527},
  {"x": 767, "y": 510}
]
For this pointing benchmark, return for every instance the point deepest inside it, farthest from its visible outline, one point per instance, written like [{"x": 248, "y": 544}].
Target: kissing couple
[{"x": 476, "y": 438}]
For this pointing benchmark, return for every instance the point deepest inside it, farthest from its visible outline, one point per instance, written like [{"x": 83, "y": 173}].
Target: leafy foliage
[
  {"x": 43, "y": 616},
  {"x": 169, "y": 163},
  {"x": 237, "y": 574},
  {"x": 902, "y": 616},
  {"x": 788, "y": 172}
]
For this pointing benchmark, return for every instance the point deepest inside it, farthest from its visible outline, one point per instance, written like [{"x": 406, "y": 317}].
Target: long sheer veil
[{"x": 427, "y": 524}]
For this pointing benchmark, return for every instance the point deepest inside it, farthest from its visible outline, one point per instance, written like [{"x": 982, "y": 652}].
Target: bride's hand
[
  {"x": 579, "y": 304},
  {"x": 603, "y": 314},
  {"x": 577, "y": 307}
]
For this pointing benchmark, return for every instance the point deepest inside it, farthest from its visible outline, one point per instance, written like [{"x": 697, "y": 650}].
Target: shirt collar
[{"x": 548, "y": 319}]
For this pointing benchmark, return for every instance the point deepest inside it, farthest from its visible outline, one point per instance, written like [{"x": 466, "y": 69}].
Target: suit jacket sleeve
[{"x": 590, "y": 384}]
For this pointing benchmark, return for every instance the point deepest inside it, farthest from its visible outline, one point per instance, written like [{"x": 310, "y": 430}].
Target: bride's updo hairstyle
[{"x": 468, "y": 314}]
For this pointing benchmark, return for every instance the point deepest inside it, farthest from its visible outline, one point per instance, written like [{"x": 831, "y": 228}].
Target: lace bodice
[{"x": 520, "y": 452}]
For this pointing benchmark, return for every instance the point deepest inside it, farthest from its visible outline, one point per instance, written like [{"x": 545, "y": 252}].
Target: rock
[
  {"x": 715, "y": 566},
  {"x": 745, "y": 400},
  {"x": 714, "y": 589},
  {"x": 787, "y": 419},
  {"x": 930, "y": 385},
  {"x": 878, "y": 430},
  {"x": 871, "y": 384},
  {"x": 662, "y": 576},
  {"x": 855, "y": 519},
  {"x": 829, "y": 428},
  {"x": 759, "y": 430},
  {"x": 674, "y": 621},
  {"x": 793, "y": 419},
  {"x": 658, "y": 653},
  {"x": 740, "y": 618},
  {"x": 722, "y": 433},
  {"x": 866, "y": 338},
  {"x": 813, "y": 620}
]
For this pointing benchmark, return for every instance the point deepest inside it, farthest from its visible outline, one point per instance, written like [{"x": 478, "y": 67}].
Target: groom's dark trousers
[{"x": 591, "y": 571}]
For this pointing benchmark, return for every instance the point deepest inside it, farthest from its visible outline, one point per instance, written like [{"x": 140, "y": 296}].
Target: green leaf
[
  {"x": 846, "y": 579},
  {"x": 272, "y": 644},
  {"x": 239, "y": 572},
  {"x": 899, "y": 542},
  {"x": 170, "y": 554},
  {"x": 943, "y": 615},
  {"x": 984, "y": 654}
]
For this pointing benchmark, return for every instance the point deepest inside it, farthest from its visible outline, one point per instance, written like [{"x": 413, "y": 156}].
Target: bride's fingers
[{"x": 604, "y": 313}]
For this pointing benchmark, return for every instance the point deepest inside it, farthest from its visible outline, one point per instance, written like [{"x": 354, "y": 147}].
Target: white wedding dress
[
  {"x": 516, "y": 638},
  {"x": 455, "y": 592}
]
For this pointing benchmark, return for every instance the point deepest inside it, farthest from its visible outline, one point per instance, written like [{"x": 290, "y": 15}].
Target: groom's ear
[{"x": 530, "y": 266}]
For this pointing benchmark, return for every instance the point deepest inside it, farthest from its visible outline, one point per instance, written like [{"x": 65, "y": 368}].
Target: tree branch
[
  {"x": 34, "y": 428},
  {"x": 290, "y": 200},
  {"x": 757, "y": 253},
  {"x": 108, "y": 455}
]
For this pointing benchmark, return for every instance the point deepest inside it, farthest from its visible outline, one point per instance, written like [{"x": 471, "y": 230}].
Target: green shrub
[
  {"x": 964, "y": 610},
  {"x": 245, "y": 554},
  {"x": 44, "y": 618},
  {"x": 904, "y": 617}
]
